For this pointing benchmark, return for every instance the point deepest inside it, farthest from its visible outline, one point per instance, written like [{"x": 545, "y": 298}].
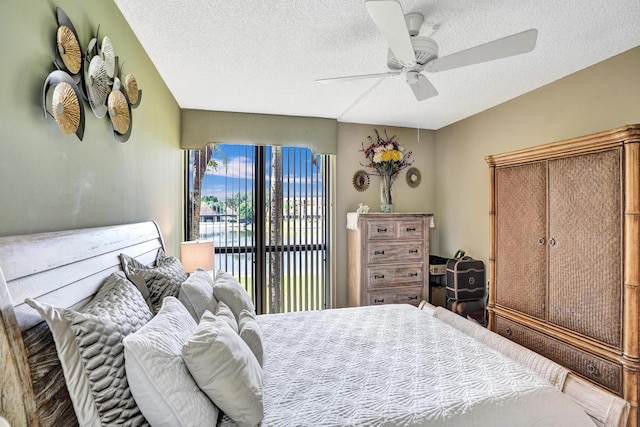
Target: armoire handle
[
  {"x": 552, "y": 242},
  {"x": 541, "y": 241}
]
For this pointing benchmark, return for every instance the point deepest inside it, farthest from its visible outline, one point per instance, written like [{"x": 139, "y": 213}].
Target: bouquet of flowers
[{"x": 386, "y": 156}]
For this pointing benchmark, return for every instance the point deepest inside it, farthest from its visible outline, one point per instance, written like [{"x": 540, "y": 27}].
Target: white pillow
[
  {"x": 226, "y": 370},
  {"x": 196, "y": 293},
  {"x": 226, "y": 288},
  {"x": 251, "y": 334},
  {"x": 159, "y": 380},
  {"x": 224, "y": 312}
]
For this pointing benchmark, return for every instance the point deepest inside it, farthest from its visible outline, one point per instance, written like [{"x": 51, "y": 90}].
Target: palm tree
[
  {"x": 203, "y": 161},
  {"x": 275, "y": 219}
]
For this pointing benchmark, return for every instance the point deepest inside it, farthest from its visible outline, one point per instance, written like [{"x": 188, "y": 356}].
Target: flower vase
[{"x": 386, "y": 192}]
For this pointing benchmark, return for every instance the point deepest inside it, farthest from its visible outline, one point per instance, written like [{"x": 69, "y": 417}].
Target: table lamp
[{"x": 197, "y": 254}]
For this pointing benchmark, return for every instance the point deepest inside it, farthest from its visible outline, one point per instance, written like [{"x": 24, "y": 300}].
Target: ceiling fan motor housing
[{"x": 425, "y": 49}]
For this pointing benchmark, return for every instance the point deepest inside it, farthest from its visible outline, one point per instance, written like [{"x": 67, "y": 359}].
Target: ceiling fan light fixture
[{"x": 414, "y": 22}]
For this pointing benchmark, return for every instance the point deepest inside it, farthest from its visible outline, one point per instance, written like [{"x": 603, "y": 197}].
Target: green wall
[{"x": 50, "y": 181}]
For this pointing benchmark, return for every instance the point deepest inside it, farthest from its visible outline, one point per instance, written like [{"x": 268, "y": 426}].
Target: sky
[{"x": 237, "y": 174}]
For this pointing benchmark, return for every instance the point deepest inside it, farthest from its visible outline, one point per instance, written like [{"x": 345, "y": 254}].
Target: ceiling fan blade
[
  {"x": 421, "y": 86},
  {"x": 507, "y": 46},
  {"x": 359, "y": 77},
  {"x": 388, "y": 16}
]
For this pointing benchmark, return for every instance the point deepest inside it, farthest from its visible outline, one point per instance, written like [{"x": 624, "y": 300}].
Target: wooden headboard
[{"x": 64, "y": 269}]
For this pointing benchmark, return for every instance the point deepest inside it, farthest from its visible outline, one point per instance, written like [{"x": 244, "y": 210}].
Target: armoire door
[
  {"x": 585, "y": 244},
  {"x": 521, "y": 255}
]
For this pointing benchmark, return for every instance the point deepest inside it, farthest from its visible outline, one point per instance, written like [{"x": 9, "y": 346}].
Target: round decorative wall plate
[
  {"x": 360, "y": 180},
  {"x": 413, "y": 177}
]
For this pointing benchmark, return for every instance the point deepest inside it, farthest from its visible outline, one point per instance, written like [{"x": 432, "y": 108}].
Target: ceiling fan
[{"x": 411, "y": 54}]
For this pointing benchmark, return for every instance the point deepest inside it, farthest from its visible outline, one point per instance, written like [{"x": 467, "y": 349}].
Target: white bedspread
[{"x": 395, "y": 365}]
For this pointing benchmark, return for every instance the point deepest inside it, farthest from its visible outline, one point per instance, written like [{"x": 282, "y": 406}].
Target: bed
[{"x": 383, "y": 365}]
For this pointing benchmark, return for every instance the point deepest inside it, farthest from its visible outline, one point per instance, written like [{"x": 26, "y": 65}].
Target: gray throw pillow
[
  {"x": 89, "y": 344},
  {"x": 162, "y": 280}
]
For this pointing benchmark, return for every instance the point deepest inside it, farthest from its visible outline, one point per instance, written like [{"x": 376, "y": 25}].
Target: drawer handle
[
  {"x": 592, "y": 370},
  {"x": 382, "y": 230},
  {"x": 378, "y": 301},
  {"x": 507, "y": 331},
  {"x": 378, "y": 253},
  {"x": 411, "y": 229},
  {"x": 378, "y": 276},
  {"x": 413, "y": 297},
  {"x": 413, "y": 251},
  {"x": 412, "y": 275}
]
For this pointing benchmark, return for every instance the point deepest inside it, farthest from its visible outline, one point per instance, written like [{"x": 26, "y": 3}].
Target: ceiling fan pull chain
[{"x": 418, "y": 121}]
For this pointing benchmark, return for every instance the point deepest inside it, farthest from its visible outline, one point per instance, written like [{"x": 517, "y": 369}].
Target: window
[{"x": 266, "y": 209}]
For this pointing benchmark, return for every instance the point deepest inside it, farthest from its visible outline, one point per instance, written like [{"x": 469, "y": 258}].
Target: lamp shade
[{"x": 198, "y": 253}]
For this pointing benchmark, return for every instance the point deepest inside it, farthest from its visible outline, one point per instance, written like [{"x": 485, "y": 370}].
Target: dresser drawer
[
  {"x": 381, "y": 230},
  {"x": 605, "y": 373},
  {"x": 389, "y": 252},
  {"x": 410, "y": 230},
  {"x": 397, "y": 275},
  {"x": 411, "y": 296}
]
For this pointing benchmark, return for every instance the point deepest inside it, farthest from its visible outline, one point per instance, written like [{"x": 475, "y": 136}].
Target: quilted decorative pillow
[
  {"x": 89, "y": 344},
  {"x": 196, "y": 293},
  {"x": 163, "y": 280},
  {"x": 226, "y": 288},
  {"x": 251, "y": 334},
  {"x": 160, "y": 381},
  {"x": 226, "y": 370}
]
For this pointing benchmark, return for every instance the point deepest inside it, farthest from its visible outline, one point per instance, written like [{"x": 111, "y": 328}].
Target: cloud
[{"x": 236, "y": 167}]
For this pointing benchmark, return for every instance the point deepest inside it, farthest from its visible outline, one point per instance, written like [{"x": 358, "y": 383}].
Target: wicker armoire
[{"x": 563, "y": 266}]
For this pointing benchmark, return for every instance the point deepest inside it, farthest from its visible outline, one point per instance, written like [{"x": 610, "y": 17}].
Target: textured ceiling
[{"x": 264, "y": 56}]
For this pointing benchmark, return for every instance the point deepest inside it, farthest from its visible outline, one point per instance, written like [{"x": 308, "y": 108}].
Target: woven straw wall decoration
[
  {"x": 119, "y": 112},
  {"x": 68, "y": 55},
  {"x": 65, "y": 103},
  {"x": 92, "y": 74},
  {"x": 69, "y": 49},
  {"x": 97, "y": 83},
  {"x": 131, "y": 87},
  {"x": 109, "y": 57},
  {"x": 66, "y": 108}
]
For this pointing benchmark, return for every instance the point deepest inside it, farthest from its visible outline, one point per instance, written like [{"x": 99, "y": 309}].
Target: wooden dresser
[
  {"x": 563, "y": 264},
  {"x": 388, "y": 259}
]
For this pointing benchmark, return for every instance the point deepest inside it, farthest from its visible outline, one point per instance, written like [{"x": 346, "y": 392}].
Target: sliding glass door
[{"x": 266, "y": 209}]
